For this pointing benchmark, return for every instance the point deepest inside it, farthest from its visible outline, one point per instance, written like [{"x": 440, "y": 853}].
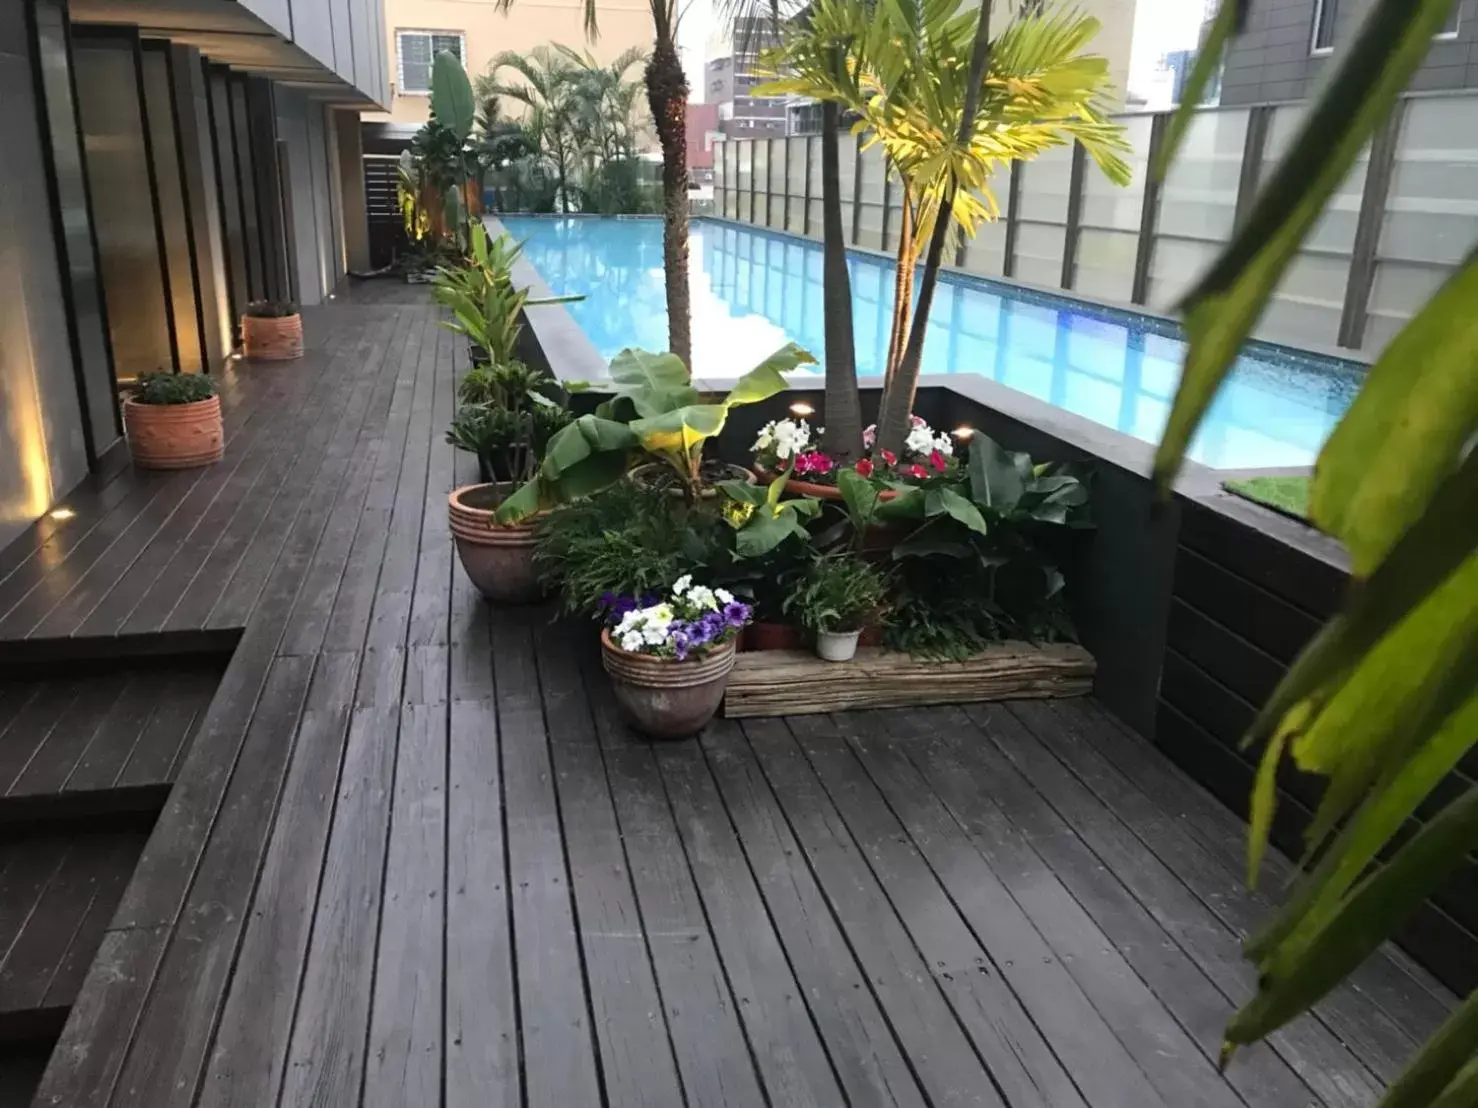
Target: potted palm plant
[
  {"x": 840, "y": 596},
  {"x": 272, "y": 330},
  {"x": 173, "y": 421},
  {"x": 508, "y": 415},
  {"x": 669, "y": 661}
]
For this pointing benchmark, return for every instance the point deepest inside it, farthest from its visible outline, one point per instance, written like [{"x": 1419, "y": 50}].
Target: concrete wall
[
  {"x": 43, "y": 450},
  {"x": 313, "y": 205},
  {"x": 1274, "y": 59}
]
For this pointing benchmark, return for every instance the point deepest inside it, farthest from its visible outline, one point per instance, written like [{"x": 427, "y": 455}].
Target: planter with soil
[
  {"x": 663, "y": 697},
  {"x": 662, "y": 477},
  {"x": 173, "y": 421},
  {"x": 272, "y": 331},
  {"x": 499, "y": 558}
]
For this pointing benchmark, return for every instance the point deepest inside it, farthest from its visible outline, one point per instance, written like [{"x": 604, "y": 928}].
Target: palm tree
[
  {"x": 667, "y": 97},
  {"x": 949, "y": 105},
  {"x": 1383, "y": 702},
  {"x": 606, "y": 101},
  {"x": 548, "y": 89}
]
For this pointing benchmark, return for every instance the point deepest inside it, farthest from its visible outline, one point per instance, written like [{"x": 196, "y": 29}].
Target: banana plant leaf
[
  {"x": 582, "y": 458},
  {"x": 452, "y": 102}
]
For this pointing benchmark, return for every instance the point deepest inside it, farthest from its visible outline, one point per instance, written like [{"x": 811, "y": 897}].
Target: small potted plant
[
  {"x": 669, "y": 662},
  {"x": 173, "y": 421},
  {"x": 838, "y": 598},
  {"x": 506, "y": 420},
  {"x": 788, "y": 445},
  {"x": 272, "y": 331}
]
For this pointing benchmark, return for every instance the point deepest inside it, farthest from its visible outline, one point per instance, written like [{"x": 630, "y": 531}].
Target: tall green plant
[
  {"x": 1383, "y": 703},
  {"x": 949, "y": 105}
]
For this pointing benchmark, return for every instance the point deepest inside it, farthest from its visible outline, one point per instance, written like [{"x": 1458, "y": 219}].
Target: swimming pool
[{"x": 754, "y": 290}]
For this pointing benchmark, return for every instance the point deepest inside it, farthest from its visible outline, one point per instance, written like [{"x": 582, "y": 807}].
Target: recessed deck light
[
  {"x": 60, "y": 514},
  {"x": 802, "y": 409}
]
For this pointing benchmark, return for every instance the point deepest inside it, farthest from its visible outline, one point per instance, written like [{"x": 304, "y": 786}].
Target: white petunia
[
  {"x": 724, "y": 596},
  {"x": 655, "y": 636},
  {"x": 680, "y": 586},
  {"x": 944, "y": 446},
  {"x": 701, "y": 596},
  {"x": 631, "y": 641}
]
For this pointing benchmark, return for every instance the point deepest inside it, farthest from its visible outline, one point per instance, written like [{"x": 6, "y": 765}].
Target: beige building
[{"x": 418, "y": 30}]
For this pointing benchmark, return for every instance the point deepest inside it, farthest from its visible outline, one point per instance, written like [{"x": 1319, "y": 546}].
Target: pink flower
[
  {"x": 890, "y": 458},
  {"x": 918, "y": 471},
  {"x": 936, "y": 460},
  {"x": 814, "y": 462},
  {"x": 870, "y": 436},
  {"x": 917, "y": 421},
  {"x": 864, "y": 468}
]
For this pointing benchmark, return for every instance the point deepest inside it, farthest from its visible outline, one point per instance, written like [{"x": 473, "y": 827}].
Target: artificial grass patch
[{"x": 1285, "y": 494}]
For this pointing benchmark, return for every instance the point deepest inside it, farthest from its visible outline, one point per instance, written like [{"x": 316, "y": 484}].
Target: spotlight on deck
[
  {"x": 802, "y": 409},
  {"x": 60, "y": 514},
  {"x": 963, "y": 433}
]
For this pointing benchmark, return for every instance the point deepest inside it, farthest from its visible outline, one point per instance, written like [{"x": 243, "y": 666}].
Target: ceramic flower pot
[
  {"x": 837, "y": 646},
  {"x": 651, "y": 475},
  {"x": 499, "y": 558},
  {"x": 272, "y": 339},
  {"x": 799, "y": 486},
  {"x": 174, "y": 436},
  {"x": 662, "y": 697}
]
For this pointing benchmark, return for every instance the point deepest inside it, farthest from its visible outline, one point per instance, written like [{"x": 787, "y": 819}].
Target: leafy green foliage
[
  {"x": 271, "y": 309},
  {"x": 838, "y": 593},
  {"x": 1382, "y": 702},
  {"x": 173, "y": 388},
  {"x": 452, "y": 104},
  {"x": 622, "y": 541},
  {"x": 763, "y": 520}
]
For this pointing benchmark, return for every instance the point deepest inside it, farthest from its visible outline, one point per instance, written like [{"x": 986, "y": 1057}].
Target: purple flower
[
  {"x": 680, "y": 639},
  {"x": 736, "y": 614}
]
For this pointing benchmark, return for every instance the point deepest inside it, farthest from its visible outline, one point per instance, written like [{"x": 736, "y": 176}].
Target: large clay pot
[
  {"x": 174, "y": 436},
  {"x": 799, "y": 487},
  {"x": 665, "y": 698},
  {"x": 272, "y": 339},
  {"x": 499, "y": 558}
]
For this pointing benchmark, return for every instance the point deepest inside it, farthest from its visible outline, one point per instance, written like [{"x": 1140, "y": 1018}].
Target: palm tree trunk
[
  {"x": 898, "y": 396},
  {"x": 843, "y": 405},
  {"x": 667, "y": 93},
  {"x": 902, "y": 289}
]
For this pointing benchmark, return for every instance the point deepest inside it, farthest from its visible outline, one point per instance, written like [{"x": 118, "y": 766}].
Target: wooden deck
[{"x": 410, "y": 857}]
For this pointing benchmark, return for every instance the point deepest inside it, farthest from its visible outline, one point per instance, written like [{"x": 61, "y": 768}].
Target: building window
[
  {"x": 415, "y": 51},
  {"x": 1449, "y": 29},
  {"x": 1326, "y": 13}
]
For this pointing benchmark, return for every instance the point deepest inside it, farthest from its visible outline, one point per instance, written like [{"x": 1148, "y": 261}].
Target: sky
[{"x": 1159, "y": 26}]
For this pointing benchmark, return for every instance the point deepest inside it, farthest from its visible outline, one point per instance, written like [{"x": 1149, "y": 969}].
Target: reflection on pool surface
[{"x": 754, "y": 290}]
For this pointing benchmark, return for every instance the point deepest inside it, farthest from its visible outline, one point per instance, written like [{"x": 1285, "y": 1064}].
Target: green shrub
[
  {"x": 839, "y": 593},
  {"x": 508, "y": 442},
  {"x": 173, "y": 388},
  {"x": 271, "y": 309}
]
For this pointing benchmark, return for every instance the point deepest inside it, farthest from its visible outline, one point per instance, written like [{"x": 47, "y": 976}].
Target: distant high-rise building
[{"x": 731, "y": 76}]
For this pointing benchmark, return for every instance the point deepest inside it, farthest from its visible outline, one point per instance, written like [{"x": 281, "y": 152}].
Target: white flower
[
  {"x": 786, "y": 437},
  {"x": 724, "y": 596},
  {"x": 920, "y": 440},
  {"x": 659, "y": 615},
  {"x": 680, "y": 586},
  {"x": 766, "y": 438},
  {"x": 631, "y": 641},
  {"x": 701, "y": 596},
  {"x": 654, "y": 635}
]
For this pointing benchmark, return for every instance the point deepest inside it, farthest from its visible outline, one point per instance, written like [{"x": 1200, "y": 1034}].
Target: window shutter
[{"x": 415, "y": 63}]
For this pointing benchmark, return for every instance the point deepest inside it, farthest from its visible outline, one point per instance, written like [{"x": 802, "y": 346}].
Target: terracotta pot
[
  {"x": 499, "y": 558},
  {"x": 771, "y": 636},
  {"x": 806, "y": 488},
  {"x": 272, "y": 339},
  {"x": 644, "y": 473},
  {"x": 662, "y": 697},
  {"x": 174, "y": 436}
]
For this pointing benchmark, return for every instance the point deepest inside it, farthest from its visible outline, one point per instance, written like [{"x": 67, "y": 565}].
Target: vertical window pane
[{"x": 1324, "y": 19}]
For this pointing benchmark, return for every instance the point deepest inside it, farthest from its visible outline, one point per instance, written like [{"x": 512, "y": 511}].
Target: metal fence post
[
  {"x": 1254, "y": 149},
  {"x": 1074, "y": 215},
  {"x": 1013, "y": 220},
  {"x": 887, "y": 201},
  {"x": 806, "y": 214},
  {"x": 1368, "y": 228},
  {"x": 856, "y": 188},
  {"x": 785, "y": 186},
  {"x": 1149, "y": 213},
  {"x": 753, "y": 181}
]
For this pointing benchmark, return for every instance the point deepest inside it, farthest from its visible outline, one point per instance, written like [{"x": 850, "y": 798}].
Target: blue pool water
[{"x": 755, "y": 290}]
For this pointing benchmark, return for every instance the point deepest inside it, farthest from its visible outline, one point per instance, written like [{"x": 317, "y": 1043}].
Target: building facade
[
  {"x": 701, "y": 123},
  {"x": 475, "y": 31},
  {"x": 731, "y": 76},
  {"x": 1288, "y": 44},
  {"x": 166, "y": 164}
]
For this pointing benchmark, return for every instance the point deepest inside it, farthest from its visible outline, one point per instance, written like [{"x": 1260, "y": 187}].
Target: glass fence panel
[
  {"x": 720, "y": 164},
  {"x": 1039, "y": 254},
  {"x": 1044, "y": 186},
  {"x": 1198, "y": 203},
  {"x": 1112, "y": 207},
  {"x": 1105, "y": 263},
  {"x": 986, "y": 252},
  {"x": 814, "y": 211},
  {"x": 761, "y": 150},
  {"x": 795, "y": 164},
  {"x": 1431, "y": 214}
]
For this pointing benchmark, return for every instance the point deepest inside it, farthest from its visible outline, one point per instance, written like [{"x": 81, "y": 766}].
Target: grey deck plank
[
  {"x": 944, "y": 1057},
  {"x": 628, "y": 1016},
  {"x": 559, "y": 1051}
]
